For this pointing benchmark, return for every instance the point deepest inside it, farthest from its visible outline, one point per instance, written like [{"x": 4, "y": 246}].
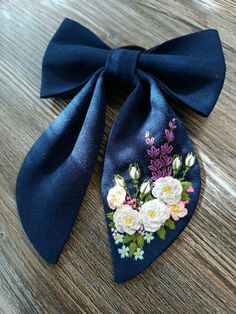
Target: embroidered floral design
[
  {"x": 118, "y": 237},
  {"x": 148, "y": 237},
  {"x": 153, "y": 215},
  {"x": 138, "y": 254},
  {"x": 126, "y": 219},
  {"x": 124, "y": 251},
  {"x": 157, "y": 203},
  {"x": 116, "y": 196},
  {"x": 168, "y": 190}
]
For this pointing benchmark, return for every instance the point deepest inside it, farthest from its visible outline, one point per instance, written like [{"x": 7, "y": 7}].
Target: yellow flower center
[
  {"x": 166, "y": 189},
  {"x": 151, "y": 213},
  {"x": 175, "y": 208},
  {"x": 137, "y": 253},
  {"x": 128, "y": 219}
]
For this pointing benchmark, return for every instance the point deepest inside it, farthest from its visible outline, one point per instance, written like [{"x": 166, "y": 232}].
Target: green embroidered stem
[
  {"x": 184, "y": 173},
  {"x": 136, "y": 189},
  {"x": 127, "y": 192},
  {"x": 175, "y": 173}
]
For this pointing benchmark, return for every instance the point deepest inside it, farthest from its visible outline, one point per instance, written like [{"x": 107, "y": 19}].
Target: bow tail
[
  {"x": 134, "y": 248},
  {"x": 55, "y": 174}
]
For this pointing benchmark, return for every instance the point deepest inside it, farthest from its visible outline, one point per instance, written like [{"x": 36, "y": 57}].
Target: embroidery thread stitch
[{"x": 156, "y": 204}]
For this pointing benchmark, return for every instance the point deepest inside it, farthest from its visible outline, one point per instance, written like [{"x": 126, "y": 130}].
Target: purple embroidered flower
[
  {"x": 155, "y": 165},
  {"x": 165, "y": 160},
  {"x": 156, "y": 175},
  {"x": 166, "y": 149},
  {"x": 167, "y": 172},
  {"x": 153, "y": 152},
  {"x": 169, "y": 135}
]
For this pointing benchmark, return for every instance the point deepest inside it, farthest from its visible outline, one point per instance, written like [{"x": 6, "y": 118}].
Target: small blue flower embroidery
[
  {"x": 148, "y": 237},
  {"x": 124, "y": 251},
  {"x": 138, "y": 254},
  {"x": 118, "y": 238}
]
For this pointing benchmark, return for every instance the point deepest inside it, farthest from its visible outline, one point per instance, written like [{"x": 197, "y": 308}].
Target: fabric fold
[{"x": 55, "y": 174}]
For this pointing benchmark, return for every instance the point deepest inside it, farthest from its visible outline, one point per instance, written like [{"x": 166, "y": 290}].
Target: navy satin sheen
[{"x": 55, "y": 174}]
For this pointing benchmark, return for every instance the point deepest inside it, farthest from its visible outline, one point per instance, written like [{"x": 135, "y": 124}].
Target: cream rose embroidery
[
  {"x": 153, "y": 215},
  {"x": 126, "y": 219},
  {"x": 116, "y": 196},
  {"x": 168, "y": 190}
]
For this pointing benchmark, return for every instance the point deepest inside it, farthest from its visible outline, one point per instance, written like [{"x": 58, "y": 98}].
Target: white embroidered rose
[
  {"x": 153, "y": 215},
  {"x": 116, "y": 196},
  {"x": 126, "y": 219},
  {"x": 168, "y": 190}
]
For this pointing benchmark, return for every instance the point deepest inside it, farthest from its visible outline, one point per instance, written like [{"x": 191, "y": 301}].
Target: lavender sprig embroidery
[{"x": 161, "y": 160}]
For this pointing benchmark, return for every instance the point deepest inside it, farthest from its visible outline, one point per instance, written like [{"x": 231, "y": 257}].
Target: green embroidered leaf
[
  {"x": 184, "y": 196},
  {"x": 161, "y": 233},
  {"x": 128, "y": 238},
  {"x": 111, "y": 224},
  {"x": 140, "y": 241},
  {"x": 170, "y": 224},
  {"x": 132, "y": 248},
  {"x": 110, "y": 215},
  {"x": 186, "y": 185},
  {"x": 149, "y": 197}
]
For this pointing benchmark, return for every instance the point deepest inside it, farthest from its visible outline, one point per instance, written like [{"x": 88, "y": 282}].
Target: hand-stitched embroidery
[{"x": 156, "y": 204}]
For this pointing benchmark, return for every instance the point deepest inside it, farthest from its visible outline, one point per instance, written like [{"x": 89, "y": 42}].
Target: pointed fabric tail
[
  {"x": 144, "y": 110},
  {"x": 55, "y": 174}
]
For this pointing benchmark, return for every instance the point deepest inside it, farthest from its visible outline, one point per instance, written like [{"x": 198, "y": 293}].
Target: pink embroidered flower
[
  {"x": 131, "y": 202},
  {"x": 178, "y": 211},
  {"x": 149, "y": 141},
  {"x": 169, "y": 135},
  {"x": 190, "y": 189},
  {"x": 172, "y": 124}
]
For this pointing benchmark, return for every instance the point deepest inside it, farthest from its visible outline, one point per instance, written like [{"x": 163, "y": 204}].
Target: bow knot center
[{"x": 121, "y": 65}]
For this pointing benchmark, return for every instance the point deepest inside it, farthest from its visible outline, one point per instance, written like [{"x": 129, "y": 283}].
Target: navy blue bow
[{"x": 151, "y": 180}]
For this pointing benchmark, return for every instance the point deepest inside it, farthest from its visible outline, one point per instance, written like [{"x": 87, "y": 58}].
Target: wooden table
[{"x": 196, "y": 274}]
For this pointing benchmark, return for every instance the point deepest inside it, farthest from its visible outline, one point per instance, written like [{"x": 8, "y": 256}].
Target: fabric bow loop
[{"x": 189, "y": 68}]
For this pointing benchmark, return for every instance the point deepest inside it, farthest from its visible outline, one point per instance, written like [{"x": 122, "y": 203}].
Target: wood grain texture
[{"x": 197, "y": 273}]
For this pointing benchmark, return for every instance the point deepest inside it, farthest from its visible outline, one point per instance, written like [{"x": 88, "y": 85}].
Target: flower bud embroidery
[
  {"x": 145, "y": 187},
  {"x": 177, "y": 164},
  {"x": 134, "y": 171},
  {"x": 119, "y": 180},
  {"x": 190, "y": 160}
]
